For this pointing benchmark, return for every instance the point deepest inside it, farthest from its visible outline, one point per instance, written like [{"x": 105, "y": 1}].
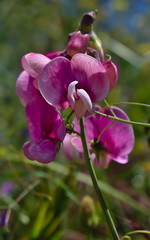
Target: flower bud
[
  {"x": 86, "y": 23},
  {"x": 96, "y": 44},
  {"x": 89, "y": 217},
  {"x": 79, "y": 40},
  {"x": 93, "y": 53},
  {"x": 78, "y": 43}
]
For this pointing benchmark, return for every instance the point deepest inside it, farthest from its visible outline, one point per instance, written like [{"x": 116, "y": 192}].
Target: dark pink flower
[
  {"x": 115, "y": 143},
  {"x": 76, "y": 83},
  {"x": 46, "y": 130}
]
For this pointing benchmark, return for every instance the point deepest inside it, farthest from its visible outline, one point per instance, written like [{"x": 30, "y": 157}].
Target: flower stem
[{"x": 95, "y": 184}]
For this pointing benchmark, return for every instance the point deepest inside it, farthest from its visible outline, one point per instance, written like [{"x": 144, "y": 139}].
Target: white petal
[{"x": 71, "y": 93}]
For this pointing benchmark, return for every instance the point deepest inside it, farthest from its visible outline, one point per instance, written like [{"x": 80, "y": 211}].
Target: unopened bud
[
  {"x": 78, "y": 43},
  {"x": 86, "y": 23},
  {"x": 89, "y": 217},
  {"x": 93, "y": 53}
]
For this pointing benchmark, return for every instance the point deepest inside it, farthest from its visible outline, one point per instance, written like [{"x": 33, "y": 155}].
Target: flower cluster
[{"x": 77, "y": 78}]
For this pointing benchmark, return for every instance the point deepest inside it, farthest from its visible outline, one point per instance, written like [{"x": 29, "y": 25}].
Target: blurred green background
[{"x": 45, "y": 202}]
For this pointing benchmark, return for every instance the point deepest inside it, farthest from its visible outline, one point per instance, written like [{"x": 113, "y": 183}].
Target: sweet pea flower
[
  {"x": 33, "y": 64},
  {"x": 76, "y": 83},
  {"x": 113, "y": 143},
  {"x": 46, "y": 130}
]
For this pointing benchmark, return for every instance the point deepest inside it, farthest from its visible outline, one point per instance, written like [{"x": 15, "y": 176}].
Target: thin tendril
[
  {"x": 134, "y": 232},
  {"x": 104, "y": 130},
  {"x": 122, "y": 120},
  {"x": 109, "y": 108},
  {"x": 131, "y": 103}
]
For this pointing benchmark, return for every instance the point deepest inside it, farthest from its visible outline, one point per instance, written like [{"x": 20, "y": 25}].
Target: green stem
[
  {"x": 69, "y": 116},
  {"x": 95, "y": 184},
  {"x": 122, "y": 120},
  {"x": 89, "y": 235}
]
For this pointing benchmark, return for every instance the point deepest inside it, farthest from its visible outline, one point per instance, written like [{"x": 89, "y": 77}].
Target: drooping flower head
[
  {"x": 76, "y": 83},
  {"x": 45, "y": 125},
  {"x": 106, "y": 144}
]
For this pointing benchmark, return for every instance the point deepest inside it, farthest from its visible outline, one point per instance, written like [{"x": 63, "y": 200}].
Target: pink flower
[
  {"x": 26, "y": 84},
  {"x": 33, "y": 64},
  {"x": 46, "y": 127},
  {"x": 46, "y": 130},
  {"x": 77, "y": 83},
  {"x": 115, "y": 143}
]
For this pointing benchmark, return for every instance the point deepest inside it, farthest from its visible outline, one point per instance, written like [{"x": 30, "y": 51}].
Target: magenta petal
[
  {"x": 119, "y": 137},
  {"x": 32, "y": 112},
  {"x": 51, "y": 121},
  {"x": 43, "y": 151},
  {"x": 91, "y": 76},
  {"x": 78, "y": 43},
  {"x": 24, "y": 88},
  {"x": 120, "y": 159},
  {"x": 44, "y": 121},
  {"x": 52, "y": 55},
  {"x": 33, "y": 63},
  {"x": 112, "y": 73},
  {"x": 54, "y": 81}
]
